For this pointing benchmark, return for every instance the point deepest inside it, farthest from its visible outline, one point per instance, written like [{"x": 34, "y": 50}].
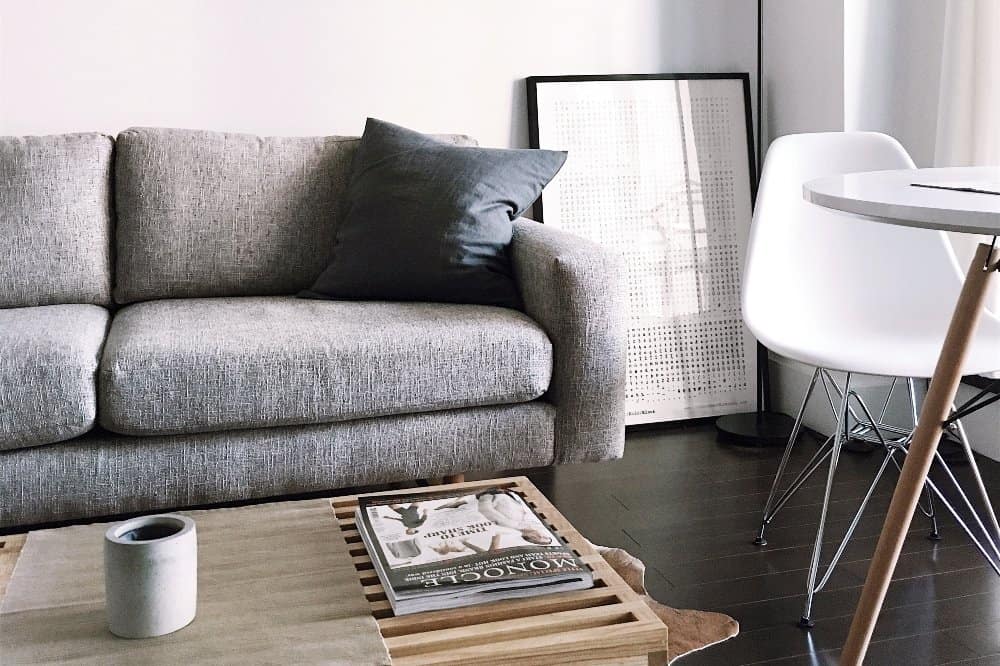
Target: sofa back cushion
[
  {"x": 218, "y": 214},
  {"x": 55, "y": 220}
]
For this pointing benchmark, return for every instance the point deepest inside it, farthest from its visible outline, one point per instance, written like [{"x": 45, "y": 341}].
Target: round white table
[{"x": 891, "y": 197}]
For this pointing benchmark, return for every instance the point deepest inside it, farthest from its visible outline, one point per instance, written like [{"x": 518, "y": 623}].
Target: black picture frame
[
  {"x": 532, "y": 94},
  {"x": 762, "y": 388}
]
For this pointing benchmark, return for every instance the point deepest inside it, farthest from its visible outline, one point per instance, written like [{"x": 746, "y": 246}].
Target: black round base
[
  {"x": 760, "y": 541},
  {"x": 806, "y": 623},
  {"x": 755, "y": 428},
  {"x": 860, "y": 446}
]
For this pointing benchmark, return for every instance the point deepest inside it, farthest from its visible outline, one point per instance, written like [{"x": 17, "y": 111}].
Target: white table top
[{"x": 889, "y": 196}]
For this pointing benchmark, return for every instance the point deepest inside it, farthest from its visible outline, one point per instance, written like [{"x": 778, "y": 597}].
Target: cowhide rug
[{"x": 689, "y": 630}]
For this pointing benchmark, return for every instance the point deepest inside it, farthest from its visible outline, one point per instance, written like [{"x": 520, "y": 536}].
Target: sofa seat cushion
[
  {"x": 48, "y": 372},
  {"x": 201, "y": 365}
]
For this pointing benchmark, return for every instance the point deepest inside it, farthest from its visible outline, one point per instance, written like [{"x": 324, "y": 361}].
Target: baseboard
[{"x": 789, "y": 380}]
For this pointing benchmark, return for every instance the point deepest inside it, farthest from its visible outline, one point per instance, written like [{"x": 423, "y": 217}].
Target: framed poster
[{"x": 661, "y": 169}]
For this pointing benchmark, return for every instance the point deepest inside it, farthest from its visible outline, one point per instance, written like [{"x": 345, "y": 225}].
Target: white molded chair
[{"x": 841, "y": 293}]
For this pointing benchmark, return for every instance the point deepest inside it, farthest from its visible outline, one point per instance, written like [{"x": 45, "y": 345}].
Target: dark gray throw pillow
[{"x": 429, "y": 221}]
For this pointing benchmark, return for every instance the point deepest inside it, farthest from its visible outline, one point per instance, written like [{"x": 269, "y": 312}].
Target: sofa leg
[{"x": 454, "y": 478}]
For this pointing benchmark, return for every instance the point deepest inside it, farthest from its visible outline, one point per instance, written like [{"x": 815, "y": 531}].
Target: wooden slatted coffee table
[{"x": 609, "y": 624}]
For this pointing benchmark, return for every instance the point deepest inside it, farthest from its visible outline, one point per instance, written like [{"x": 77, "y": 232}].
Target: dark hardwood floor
[{"x": 689, "y": 508}]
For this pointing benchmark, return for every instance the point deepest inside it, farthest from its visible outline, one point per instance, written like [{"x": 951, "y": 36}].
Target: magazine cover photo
[{"x": 435, "y": 530}]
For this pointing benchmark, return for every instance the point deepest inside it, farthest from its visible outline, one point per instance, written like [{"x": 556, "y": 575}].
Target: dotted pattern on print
[{"x": 666, "y": 202}]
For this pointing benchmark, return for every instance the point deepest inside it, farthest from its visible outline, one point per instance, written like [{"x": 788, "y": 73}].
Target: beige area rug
[
  {"x": 274, "y": 588},
  {"x": 689, "y": 630}
]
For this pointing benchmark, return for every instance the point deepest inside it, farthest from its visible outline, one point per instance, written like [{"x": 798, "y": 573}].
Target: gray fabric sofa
[{"x": 153, "y": 355}]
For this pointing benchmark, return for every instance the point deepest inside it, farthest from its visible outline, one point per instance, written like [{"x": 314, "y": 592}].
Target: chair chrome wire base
[{"x": 856, "y": 421}]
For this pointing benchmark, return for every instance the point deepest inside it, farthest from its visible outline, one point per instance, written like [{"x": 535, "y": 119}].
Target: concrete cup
[{"x": 151, "y": 575}]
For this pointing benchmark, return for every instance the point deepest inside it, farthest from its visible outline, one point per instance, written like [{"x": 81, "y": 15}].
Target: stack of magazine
[{"x": 444, "y": 550}]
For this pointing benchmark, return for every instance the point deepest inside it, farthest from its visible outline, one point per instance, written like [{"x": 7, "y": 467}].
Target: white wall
[
  {"x": 892, "y": 51},
  {"x": 321, "y": 67},
  {"x": 803, "y": 66}
]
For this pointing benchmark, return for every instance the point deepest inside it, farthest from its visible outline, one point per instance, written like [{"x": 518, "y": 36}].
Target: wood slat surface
[{"x": 607, "y": 624}]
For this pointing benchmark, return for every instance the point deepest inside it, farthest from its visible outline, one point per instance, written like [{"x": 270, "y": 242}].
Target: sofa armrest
[{"x": 575, "y": 290}]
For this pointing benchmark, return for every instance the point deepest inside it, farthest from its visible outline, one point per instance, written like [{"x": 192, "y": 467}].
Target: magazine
[{"x": 451, "y": 549}]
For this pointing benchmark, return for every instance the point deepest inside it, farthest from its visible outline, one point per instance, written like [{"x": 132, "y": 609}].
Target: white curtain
[{"x": 968, "y": 123}]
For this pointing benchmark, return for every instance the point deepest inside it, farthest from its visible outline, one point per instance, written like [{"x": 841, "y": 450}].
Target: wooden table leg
[{"x": 937, "y": 407}]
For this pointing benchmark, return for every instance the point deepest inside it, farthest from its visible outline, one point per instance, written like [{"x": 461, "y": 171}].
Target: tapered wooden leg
[
  {"x": 454, "y": 478},
  {"x": 937, "y": 407}
]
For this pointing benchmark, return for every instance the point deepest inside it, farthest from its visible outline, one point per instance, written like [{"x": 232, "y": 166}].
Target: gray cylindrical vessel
[{"x": 151, "y": 575}]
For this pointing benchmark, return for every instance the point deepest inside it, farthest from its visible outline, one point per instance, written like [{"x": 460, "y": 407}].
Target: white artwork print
[{"x": 658, "y": 170}]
